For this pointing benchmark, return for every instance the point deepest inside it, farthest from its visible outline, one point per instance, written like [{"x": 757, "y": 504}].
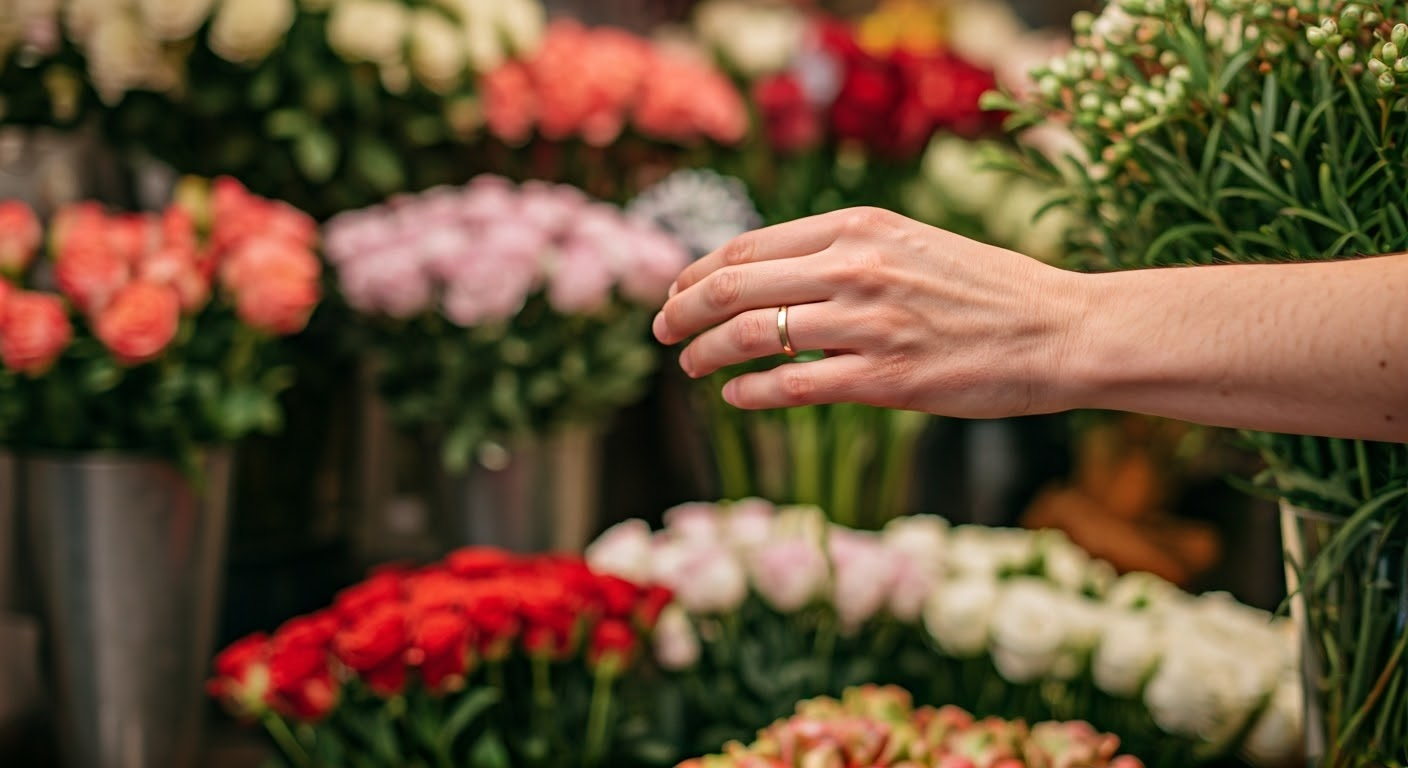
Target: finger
[
  {"x": 755, "y": 334},
  {"x": 780, "y": 241},
  {"x": 736, "y": 289},
  {"x": 841, "y": 379}
]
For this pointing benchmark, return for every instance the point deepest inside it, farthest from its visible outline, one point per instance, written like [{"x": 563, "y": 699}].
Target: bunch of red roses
[
  {"x": 440, "y": 633},
  {"x": 131, "y": 278},
  {"x": 891, "y": 102}
]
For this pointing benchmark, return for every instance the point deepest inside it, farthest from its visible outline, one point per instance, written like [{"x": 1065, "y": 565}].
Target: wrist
[{"x": 1092, "y": 348}]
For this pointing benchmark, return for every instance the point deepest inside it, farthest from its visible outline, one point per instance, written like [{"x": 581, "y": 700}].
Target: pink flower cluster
[
  {"x": 478, "y": 252},
  {"x": 878, "y": 727},
  {"x": 591, "y": 83}
]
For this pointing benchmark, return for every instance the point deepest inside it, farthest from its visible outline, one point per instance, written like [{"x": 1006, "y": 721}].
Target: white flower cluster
[
  {"x": 702, "y": 208},
  {"x": 1035, "y": 603},
  {"x": 753, "y": 38},
  {"x": 439, "y": 46}
]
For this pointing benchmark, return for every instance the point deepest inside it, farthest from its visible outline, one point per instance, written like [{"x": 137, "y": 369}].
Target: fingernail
[
  {"x": 686, "y": 364},
  {"x": 658, "y": 327},
  {"x": 731, "y": 391},
  {"x": 674, "y": 289}
]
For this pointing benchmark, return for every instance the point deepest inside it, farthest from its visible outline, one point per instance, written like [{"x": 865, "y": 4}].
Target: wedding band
[{"x": 782, "y": 334}]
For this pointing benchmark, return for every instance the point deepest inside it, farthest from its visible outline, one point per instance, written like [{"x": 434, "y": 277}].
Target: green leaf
[
  {"x": 997, "y": 101},
  {"x": 101, "y": 376},
  {"x": 288, "y": 123},
  {"x": 316, "y": 153},
  {"x": 1177, "y": 234},
  {"x": 377, "y": 163},
  {"x": 469, "y": 707},
  {"x": 489, "y": 752}
]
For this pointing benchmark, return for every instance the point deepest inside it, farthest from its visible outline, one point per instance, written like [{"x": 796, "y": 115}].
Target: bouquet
[
  {"x": 496, "y": 310},
  {"x": 150, "y": 332},
  {"x": 482, "y": 659},
  {"x": 1253, "y": 132},
  {"x": 879, "y": 726},
  {"x": 774, "y": 605},
  {"x": 329, "y": 105}
]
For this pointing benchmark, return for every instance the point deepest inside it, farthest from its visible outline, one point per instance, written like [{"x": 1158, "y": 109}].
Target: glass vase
[{"x": 1348, "y": 584}]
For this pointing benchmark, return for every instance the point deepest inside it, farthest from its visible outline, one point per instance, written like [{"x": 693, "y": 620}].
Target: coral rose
[
  {"x": 34, "y": 330},
  {"x": 275, "y": 283},
  {"x": 88, "y": 270},
  {"x": 20, "y": 236},
  {"x": 140, "y": 322}
]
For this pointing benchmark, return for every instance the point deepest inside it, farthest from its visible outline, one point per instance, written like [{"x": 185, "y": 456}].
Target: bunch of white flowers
[
  {"x": 701, "y": 208},
  {"x": 753, "y": 38}
]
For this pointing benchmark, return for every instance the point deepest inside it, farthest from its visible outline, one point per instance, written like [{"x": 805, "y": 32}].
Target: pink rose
[
  {"x": 140, "y": 322},
  {"x": 789, "y": 574},
  {"x": 749, "y": 522},
  {"x": 176, "y": 265},
  {"x": 489, "y": 199},
  {"x": 623, "y": 550},
  {"x": 390, "y": 282},
  {"x": 705, "y": 579},
  {"x": 348, "y": 236},
  {"x": 34, "y": 330},
  {"x": 89, "y": 272},
  {"x": 482, "y": 291},
  {"x": 652, "y": 264},
  {"x": 550, "y": 208},
  {"x": 694, "y": 522},
  {"x": 864, "y": 575},
  {"x": 582, "y": 280},
  {"x": 20, "y": 236}
]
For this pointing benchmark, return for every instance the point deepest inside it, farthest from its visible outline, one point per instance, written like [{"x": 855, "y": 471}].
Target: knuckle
[
  {"x": 724, "y": 288},
  {"x": 738, "y": 251},
  {"x": 750, "y": 332},
  {"x": 862, "y": 268},
  {"x": 797, "y": 386},
  {"x": 866, "y": 219}
]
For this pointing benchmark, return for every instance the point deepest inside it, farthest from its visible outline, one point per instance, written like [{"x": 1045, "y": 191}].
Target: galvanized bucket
[{"x": 129, "y": 557}]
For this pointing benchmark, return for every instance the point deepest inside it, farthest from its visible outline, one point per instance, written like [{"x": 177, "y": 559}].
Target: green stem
[
  {"x": 1361, "y": 457},
  {"x": 598, "y": 718},
  {"x": 287, "y": 742},
  {"x": 803, "y": 434},
  {"x": 730, "y": 449},
  {"x": 542, "y": 694},
  {"x": 824, "y": 649}
]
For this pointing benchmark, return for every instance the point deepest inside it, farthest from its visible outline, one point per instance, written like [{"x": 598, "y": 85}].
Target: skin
[{"x": 917, "y": 318}]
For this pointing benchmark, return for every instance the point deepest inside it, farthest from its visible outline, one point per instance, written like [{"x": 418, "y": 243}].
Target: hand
[{"x": 910, "y": 317}]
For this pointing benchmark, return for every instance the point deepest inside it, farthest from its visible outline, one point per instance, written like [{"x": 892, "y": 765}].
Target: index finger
[{"x": 791, "y": 239}]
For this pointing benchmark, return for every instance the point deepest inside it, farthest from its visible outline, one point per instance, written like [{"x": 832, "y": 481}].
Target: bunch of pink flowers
[
  {"x": 591, "y": 83},
  {"x": 477, "y": 253},
  {"x": 878, "y": 727}
]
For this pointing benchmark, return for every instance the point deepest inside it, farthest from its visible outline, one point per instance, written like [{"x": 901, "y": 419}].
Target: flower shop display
[
  {"x": 134, "y": 350},
  {"x": 483, "y": 659},
  {"x": 329, "y": 105},
  {"x": 499, "y": 317},
  {"x": 880, "y": 726},
  {"x": 1250, "y": 132},
  {"x": 775, "y": 605}
]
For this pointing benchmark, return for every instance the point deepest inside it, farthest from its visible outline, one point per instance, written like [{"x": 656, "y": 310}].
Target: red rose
[
  {"x": 440, "y": 646},
  {"x": 478, "y": 562},
  {"x": 88, "y": 270},
  {"x": 241, "y": 679},
  {"x": 865, "y": 105},
  {"x": 616, "y": 596},
  {"x": 651, "y": 605},
  {"x": 140, "y": 322},
  {"x": 314, "y": 630},
  {"x": 789, "y": 121},
  {"x": 374, "y": 646},
  {"x": 34, "y": 330},
  {"x": 613, "y": 645},
  {"x": 950, "y": 89},
  {"x": 300, "y": 681},
  {"x": 382, "y": 587},
  {"x": 492, "y": 611},
  {"x": 20, "y": 236},
  {"x": 549, "y": 618}
]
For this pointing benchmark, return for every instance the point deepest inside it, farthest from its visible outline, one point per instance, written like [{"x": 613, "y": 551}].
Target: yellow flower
[{"x": 918, "y": 26}]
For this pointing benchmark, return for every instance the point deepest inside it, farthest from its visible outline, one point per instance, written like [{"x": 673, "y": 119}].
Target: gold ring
[{"x": 782, "y": 334}]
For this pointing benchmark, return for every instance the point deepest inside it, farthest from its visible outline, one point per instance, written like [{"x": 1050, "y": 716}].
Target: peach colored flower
[
  {"x": 275, "y": 284},
  {"x": 140, "y": 322},
  {"x": 20, "y": 236},
  {"x": 510, "y": 103},
  {"x": 685, "y": 98},
  {"x": 88, "y": 269},
  {"x": 34, "y": 330}
]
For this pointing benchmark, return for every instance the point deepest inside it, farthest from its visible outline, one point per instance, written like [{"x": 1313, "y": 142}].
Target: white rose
[
  {"x": 1028, "y": 630},
  {"x": 1064, "y": 564},
  {"x": 174, "y": 19},
  {"x": 754, "y": 39},
  {"x": 984, "y": 551},
  {"x": 991, "y": 32},
  {"x": 1131, "y": 644},
  {"x": 484, "y": 44},
  {"x": 523, "y": 23},
  {"x": 923, "y": 537},
  {"x": 1276, "y": 739},
  {"x": 368, "y": 30},
  {"x": 624, "y": 550},
  {"x": 676, "y": 643},
  {"x": 748, "y": 523},
  {"x": 709, "y": 580},
  {"x": 1145, "y": 591},
  {"x": 1204, "y": 691},
  {"x": 959, "y": 614},
  {"x": 437, "y": 55},
  {"x": 789, "y": 574},
  {"x": 695, "y": 522},
  {"x": 121, "y": 56},
  {"x": 245, "y": 31}
]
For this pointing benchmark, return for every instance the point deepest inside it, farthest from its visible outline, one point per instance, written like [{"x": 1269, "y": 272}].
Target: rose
[
  {"x": 275, "y": 284},
  {"x": 914, "y": 581},
  {"x": 1275, "y": 739},
  {"x": 675, "y": 641},
  {"x": 241, "y": 679},
  {"x": 706, "y": 579},
  {"x": 959, "y": 614},
  {"x": 440, "y": 648},
  {"x": 789, "y": 574},
  {"x": 612, "y": 647},
  {"x": 387, "y": 283},
  {"x": 755, "y": 40},
  {"x": 20, "y": 236},
  {"x": 983, "y": 551},
  {"x": 436, "y": 50},
  {"x": 1129, "y": 649},
  {"x": 479, "y": 562},
  {"x": 790, "y": 122},
  {"x": 1028, "y": 630},
  {"x": 174, "y": 20},
  {"x": 865, "y": 575},
  {"x": 34, "y": 331},
  {"x": 624, "y": 550},
  {"x": 581, "y": 281},
  {"x": 140, "y": 322},
  {"x": 87, "y": 269},
  {"x": 748, "y": 522},
  {"x": 381, "y": 587},
  {"x": 651, "y": 263},
  {"x": 245, "y": 32},
  {"x": 510, "y": 103},
  {"x": 373, "y": 645},
  {"x": 301, "y": 685}
]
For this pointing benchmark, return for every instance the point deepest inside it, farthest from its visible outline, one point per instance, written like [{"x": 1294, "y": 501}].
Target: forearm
[{"x": 1317, "y": 348}]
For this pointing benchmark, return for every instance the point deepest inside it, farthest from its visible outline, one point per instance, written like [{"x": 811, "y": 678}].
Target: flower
[
  {"x": 174, "y": 20},
  {"x": 1275, "y": 739},
  {"x": 865, "y": 573},
  {"x": 34, "y": 331},
  {"x": 373, "y": 645},
  {"x": 275, "y": 283},
  {"x": 790, "y": 573},
  {"x": 705, "y": 579},
  {"x": 140, "y": 322},
  {"x": 244, "y": 32},
  {"x": 751, "y": 38},
  {"x": 440, "y": 648},
  {"x": 700, "y": 208},
  {"x": 1028, "y": 630},
  {"x": 675, "y": 641},
  {"x": 437, "y": 54},
  {"x": 624, "y": 550},
  {"x": 123, "y": 56},
  {"x": 368, "y": 30},
  {"x": 959, "y": 614},
  {"x": 694, "y": 522},
  {"x": 612, "y": 647},
  {"x": 20, "y": 236},
  {"x": 241, "y": 679},
  {"x": 301, "y": 684},
  {"x": 1129, "y": 648}
]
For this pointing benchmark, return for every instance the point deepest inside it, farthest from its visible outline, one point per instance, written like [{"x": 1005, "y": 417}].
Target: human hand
[{"x": 910, "y": 317}]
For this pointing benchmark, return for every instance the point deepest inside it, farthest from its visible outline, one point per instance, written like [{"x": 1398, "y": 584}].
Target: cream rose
[
  {"x": 623, "y": 550},
  {"x": 1130, "y": 647},
  {"x": 368, "y": 30},
  {"x": 121, "y": 57},
  {"x": 174, "y": 19},
  {"x": 959, "y": 615},
  {"x": 245, "y": 31},
  {"x": 754, "y": 39},
  {"x": 437, "y": 50}
]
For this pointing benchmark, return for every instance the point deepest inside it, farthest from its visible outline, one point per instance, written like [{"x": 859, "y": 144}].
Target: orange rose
[
  {"x": 140, "y": 322},
  {"x": 275, "y": 283},
  {"x": 87, "y": 269},
  {"x": 20, "y": 236},
  {"x": 176, "y": 265},
  {"x": 34, "y": 330}
]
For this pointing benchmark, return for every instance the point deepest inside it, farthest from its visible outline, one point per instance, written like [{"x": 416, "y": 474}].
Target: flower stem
[
  {"x": 287, "y": 742},
  {"x": 597, "y": 719}
]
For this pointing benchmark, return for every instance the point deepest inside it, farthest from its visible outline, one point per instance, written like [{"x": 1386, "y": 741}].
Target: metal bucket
[
  {"x": 539, "y": 494},
  {"x": 129, "y": 558}
]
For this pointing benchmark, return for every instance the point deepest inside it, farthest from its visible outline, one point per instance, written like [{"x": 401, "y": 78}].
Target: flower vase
[
  {"x": 1349, "y": 600},
  {"x": 129, "y": 553},
  {"x": 536, "y": 493}
]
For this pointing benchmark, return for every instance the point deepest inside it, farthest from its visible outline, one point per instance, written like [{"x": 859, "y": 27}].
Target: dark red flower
[
  {"x": 652, "y": 603},
  {"x": 866, "y": 103},
  {"x": 374, "y": 646},
  {"x": 950, "y": 89},
  {"x": 550, "y": 618},
  {"x": 613, "y": 645},
  {"x": 381, "y": 588},
  {"x": 440, "y": 647},
  {"x": 315, "y": 629},
  {"x": 616, "y": 596},
  {"x": 790, "y": 123},
  {"x": 479, "y": 562},
  {"x": 300, "y": 682},
  {"x": 241, "y": 679}
]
